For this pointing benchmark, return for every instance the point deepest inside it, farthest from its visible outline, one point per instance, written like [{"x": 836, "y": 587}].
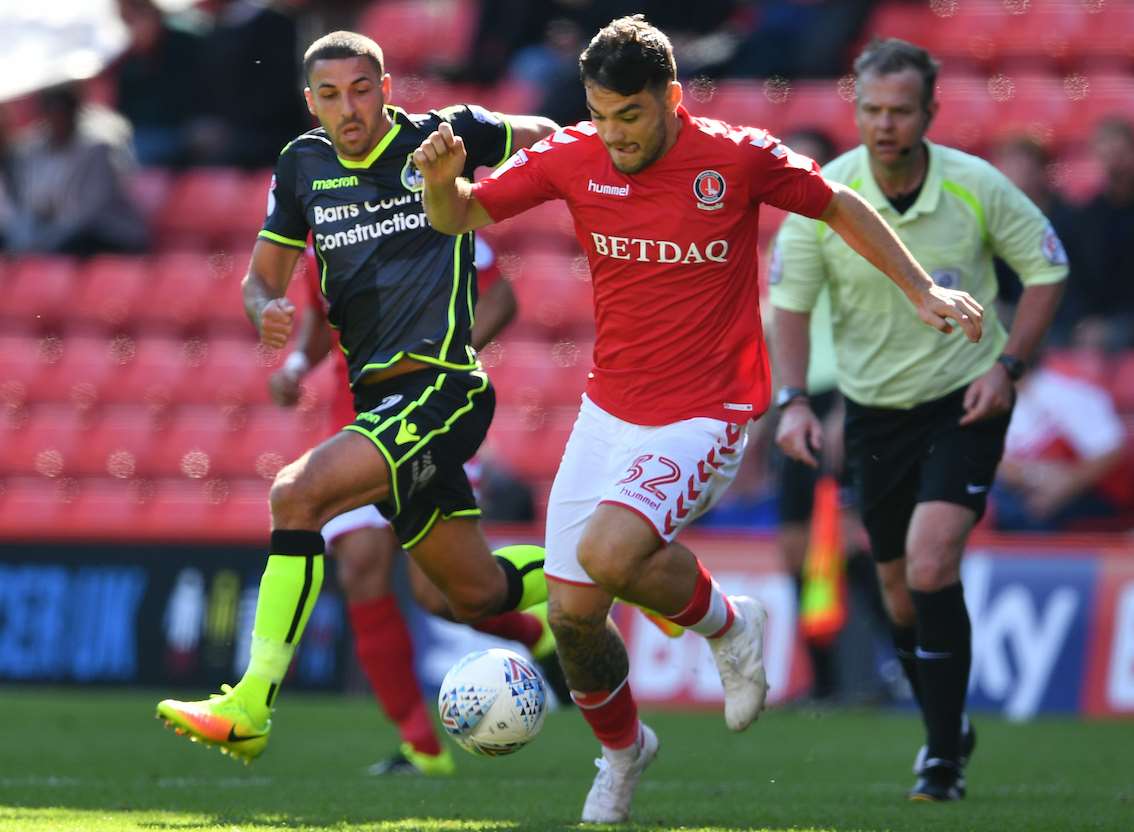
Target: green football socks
[
  {"x": 288, "y": 591},
  {"x": 523, "y": 567}
]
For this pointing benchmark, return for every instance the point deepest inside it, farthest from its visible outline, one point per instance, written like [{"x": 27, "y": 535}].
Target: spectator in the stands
[
  {"x": 1063, "y": 465},
  {"x": 797, "y": 38},
  {"x": 159, "y": 67},
  {"x": 68, "y": 182},
  {"x": 251, "y": 85},
  {"x": 1028, "y": 164},
  {"x": 1102, "y": 285}
]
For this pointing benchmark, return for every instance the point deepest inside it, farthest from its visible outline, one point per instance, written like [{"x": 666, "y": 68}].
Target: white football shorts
[{"x": 668, "y": 474}]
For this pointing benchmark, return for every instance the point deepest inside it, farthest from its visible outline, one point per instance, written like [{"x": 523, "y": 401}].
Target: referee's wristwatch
[
  {"x": 1013, "y": 365},
  {"x": 787, "y": 395}
]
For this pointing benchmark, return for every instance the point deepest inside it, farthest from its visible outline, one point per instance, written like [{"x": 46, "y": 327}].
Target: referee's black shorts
[
  {"x": 899, "y": 458},
  {"x": 426, "y": 424}
]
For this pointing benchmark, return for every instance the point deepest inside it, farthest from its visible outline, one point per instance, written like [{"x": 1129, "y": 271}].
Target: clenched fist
[
  {"x": 441, "y": 157},
  {"x": 276, "y": 320}
]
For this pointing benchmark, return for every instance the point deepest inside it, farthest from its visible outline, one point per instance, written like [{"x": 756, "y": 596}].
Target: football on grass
[{"x": 492, "y": 702}]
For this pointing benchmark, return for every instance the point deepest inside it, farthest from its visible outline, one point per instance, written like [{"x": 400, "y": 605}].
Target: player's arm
[
  {"x": 796, "y": 276},
  {"x": 527, "y": 130},
  {"x": 860, "y": 226},
  {"x": 449, "y": 202},
  {"x": 1020, "y": 234},
  {"x": 495, "y": 309},
  {"x": 264, "y": 287},
  {"x": 312, "y": 344}
]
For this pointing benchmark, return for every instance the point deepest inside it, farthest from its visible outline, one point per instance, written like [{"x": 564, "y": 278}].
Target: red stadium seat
[
  {"x": 38, "y": 292},
  {"x": 546, "y": 227},
  {"x": 269, "y": 439},
  {"x": 150, "y": 370},
  {"x": 231, "y": 371},
  {"x": 195, "y": 439},
  {"x": 402, "y": 26},
  {"x": 821, "y": 105},
  {"x": 538, "y": 374},
  {"x": 967, "y": 111},
  {"x": 739, "y": 103},
  {"x": 1107, "y": 36},
  {"x": 31, "y": 505},
  {"x": 509, "y": 97},
  {"x": 183, "y": 289},
  {"x": 908, "y": 21},
  {"x": 1044, "y": 32},
  {"x": 19, "y": 364},
  {"x": 1035, "y": 105},
  {"x": 208, "y": 205},
  {"x": 553, "y": 292},
  {"x": 1098, "y": 96},
  {"x": 530, "y": 442},
  {"x": 109, "y": 289},
  {"x": 41, "y": 440},
  {"x": 117, "y": 443},
  {"x": 73, "y": 368}
]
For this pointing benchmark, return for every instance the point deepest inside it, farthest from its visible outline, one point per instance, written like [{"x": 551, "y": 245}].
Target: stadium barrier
[{"x": 1053, "y": 623}]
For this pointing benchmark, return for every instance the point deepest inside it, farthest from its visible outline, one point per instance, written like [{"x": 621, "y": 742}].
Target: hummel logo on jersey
[
  {"x": 407, "y": 432},
  {"x": 331, "y": 184},
  {"x": 607, "y": 190}
]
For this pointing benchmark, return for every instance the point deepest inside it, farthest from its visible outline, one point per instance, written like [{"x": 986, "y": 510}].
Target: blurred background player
[
  {"x": 926, "y": 416},
  {"x": 365, "y": 548},
  {"x": 676, "y": 378},
  {"x": 401, "y": 295}
]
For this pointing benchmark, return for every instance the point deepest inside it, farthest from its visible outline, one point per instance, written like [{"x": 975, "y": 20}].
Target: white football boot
[
  {"x": 608, "y": 801},
  {"x": 739, "y": 655}
]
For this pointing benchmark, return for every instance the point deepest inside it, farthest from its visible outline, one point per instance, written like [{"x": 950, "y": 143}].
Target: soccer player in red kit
[
  {"x": 665, "y": 208},
  {"x": 364, "y": 545}
]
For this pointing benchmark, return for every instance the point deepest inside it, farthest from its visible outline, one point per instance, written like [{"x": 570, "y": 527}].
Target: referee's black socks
[{"x": 944, "y": 656}]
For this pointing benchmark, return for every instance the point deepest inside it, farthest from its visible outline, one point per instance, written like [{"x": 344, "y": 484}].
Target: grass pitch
[{"x": 96, "y": 761}]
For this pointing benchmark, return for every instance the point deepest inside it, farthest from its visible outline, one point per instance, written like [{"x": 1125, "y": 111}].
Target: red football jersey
[
  {"x": 342, "y": 406},
  {"x": 673, "y": 257}
]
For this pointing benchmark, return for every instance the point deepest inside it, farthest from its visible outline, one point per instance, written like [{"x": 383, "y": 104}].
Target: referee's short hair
[
  {"x": 885, "y": 57},
  {"x": 629, "y": 55},
  {"x": 342, "y": 44}
]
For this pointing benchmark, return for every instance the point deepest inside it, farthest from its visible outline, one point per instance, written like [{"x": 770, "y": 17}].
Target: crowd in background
[{"x": 185, "y": 94}]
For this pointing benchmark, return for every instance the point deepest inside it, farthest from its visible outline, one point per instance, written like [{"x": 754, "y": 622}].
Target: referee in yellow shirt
[{"x": 926, "y": 413}]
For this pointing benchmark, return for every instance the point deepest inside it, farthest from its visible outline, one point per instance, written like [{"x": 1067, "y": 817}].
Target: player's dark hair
[
  {"x": 342, "y": 44},
  {"x": 629, "y": 55},
  {"x": 885, "y": 57}
]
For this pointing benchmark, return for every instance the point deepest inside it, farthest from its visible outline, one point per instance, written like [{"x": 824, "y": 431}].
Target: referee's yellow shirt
[{"x": 966, "y": 214}]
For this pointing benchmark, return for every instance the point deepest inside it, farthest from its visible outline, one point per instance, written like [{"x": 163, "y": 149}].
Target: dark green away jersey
[{"x": 395, "y": 287}]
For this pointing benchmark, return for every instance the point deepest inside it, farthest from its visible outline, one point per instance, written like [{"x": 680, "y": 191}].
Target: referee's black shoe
[
  {"x": 939, "y": 781},
  {"x": 968, "y": 746}
]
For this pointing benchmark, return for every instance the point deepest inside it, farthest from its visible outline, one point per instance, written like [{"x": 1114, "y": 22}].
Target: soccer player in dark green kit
[{"x": 402, "y": 296}]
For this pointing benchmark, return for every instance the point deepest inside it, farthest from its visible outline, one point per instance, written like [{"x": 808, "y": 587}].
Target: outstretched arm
[{"x": 856, "y": 221}]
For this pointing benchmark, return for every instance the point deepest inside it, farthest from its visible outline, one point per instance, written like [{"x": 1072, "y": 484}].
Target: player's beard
[{"x": 650, "y": 153}]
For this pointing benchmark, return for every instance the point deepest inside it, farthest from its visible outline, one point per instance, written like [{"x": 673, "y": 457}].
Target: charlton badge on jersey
[{"x": 709, "y": 188}]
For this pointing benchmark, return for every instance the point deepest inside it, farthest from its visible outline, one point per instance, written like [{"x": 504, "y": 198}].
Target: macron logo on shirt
[{"x": 607, "y": 190}]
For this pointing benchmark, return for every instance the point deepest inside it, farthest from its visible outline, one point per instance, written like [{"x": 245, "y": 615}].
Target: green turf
[{"x": 83, "y": 761}]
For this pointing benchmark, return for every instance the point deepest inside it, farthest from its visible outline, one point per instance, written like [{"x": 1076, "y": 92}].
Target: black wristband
[
  {"x": 1015, "y": 367},
  {"x": 787, "y": 395}
]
